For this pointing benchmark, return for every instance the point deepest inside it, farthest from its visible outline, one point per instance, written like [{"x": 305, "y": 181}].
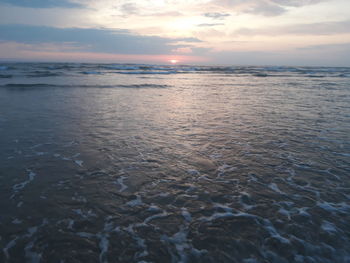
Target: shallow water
[{"x": 139, "y": 163}]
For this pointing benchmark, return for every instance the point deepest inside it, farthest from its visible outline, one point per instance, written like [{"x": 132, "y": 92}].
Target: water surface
[{"x": 140, "y": 163}]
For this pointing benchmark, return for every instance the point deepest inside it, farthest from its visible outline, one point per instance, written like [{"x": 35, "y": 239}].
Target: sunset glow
[{"x": 265, "y": 32}]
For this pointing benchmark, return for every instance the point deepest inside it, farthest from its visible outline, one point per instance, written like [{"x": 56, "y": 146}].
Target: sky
[{"x": 220, "y": 32}]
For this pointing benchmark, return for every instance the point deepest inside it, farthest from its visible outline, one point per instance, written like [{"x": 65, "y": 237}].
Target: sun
[{"x": 173, "y": 61}]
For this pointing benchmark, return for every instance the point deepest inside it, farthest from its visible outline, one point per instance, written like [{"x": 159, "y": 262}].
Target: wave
[
  {"x": 2, "y": 76},
  {"x": 35, "y": 85},
  {"x": 43, "y": 85},
  {"x": 91, "y": 73},
  {"x": 343, "y": 75},
  {"x": 148, "y": 72},
  {"x": 141, "y": 67},
  {"x": 121, "y": 67},
  {"x": 315, "y": 76},
  {"x": 58, "y": 69},
  {"x": 42, "y": 74},
  {"x": 261, "y": 75},
  {"x": 138, "y": 86}
]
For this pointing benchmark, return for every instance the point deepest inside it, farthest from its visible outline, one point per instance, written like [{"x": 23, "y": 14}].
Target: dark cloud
[
  {"x": 129, "y": 9},
  {"x": 216, "y": 15},
  {"x": 42, "y": 3},
  {"x": 324, "y": 28},
  {"x": 94, "y": 40},
  {"x": 265, "y": 9}
]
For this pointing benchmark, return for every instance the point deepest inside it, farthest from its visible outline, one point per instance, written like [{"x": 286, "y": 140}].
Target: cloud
[
  {"x": 129, "y": 9},
  {"x": 216, "y": 15},
  {"x": 183, "y": 50},
  {"x": 13, "y": 51},
  {"x": 296, "y": 3},
  {"x": 95, "y": 40},
  {"x": 263, "y": 7},
  {"x": 323, "y": 28},
  {"x": 338, "y": 46},
  {"x": 145, "y": 9},
  {"x": 211, "y": 24},
  {"x": 323, "y": 55},
  {"x": 42, "y": 3}
]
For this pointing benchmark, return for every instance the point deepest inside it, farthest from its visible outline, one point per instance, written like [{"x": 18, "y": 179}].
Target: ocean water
[{"x": 140, "y": 163}]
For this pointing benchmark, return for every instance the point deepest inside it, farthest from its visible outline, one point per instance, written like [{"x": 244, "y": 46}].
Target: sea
[{"x": 174, "y": 163}]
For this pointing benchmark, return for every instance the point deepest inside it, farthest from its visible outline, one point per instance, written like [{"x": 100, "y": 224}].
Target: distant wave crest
[{"x": 43, "y": 85}]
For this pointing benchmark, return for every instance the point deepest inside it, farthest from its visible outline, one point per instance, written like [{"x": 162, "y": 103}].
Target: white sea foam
[
  {"x": 30, "y": 255},
  {"x": 224, "y": 169},
  {"x": 9, "y": 245},
  {"x": 192, "y": 172},
  {"x": 154, "y": 208},
  {"x": 303, "y": 211},
  {"x": 215, "y": 156},
  {"x": 104, "y": 241},
  {"x": 140, "y": 241},
  {"x": 252, "y": 177},
  {"x": 135, "y": 202},
  {"x": 217, "y": 216},
  {"x": 206, "y": 178},
  {"x": 273, "y": 232},
  {"x": 120, "y": 181},
  {"x": 85, "y": 235},
  {"x": 182, "y": 245},
  {"x": 71, "y": 143},
  {"x": 79, "y": 162},
  {"x": 328, "y": 226},
  {"x": 35, "y": 146},
  {"x": 179, "y": 239},
  {"x": 224, "y": 207},
  {"x": 70, "y": 223},
  {"x": 83, "y": 214},
  {"x": 244, "y": 198},
  {"x": 150, "y": 218},
  {"x": 334, "y": 207},
  {"x": 79, "y": 198},
  {"x": 20, "y": 186},
  {"x": 284, "y": 212},
  {"x": 16, "y": 221},
  {"x": 275, "y": 188},
  {"x": 186, "y": 214},
  {"x": 191, "y": 188}
]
